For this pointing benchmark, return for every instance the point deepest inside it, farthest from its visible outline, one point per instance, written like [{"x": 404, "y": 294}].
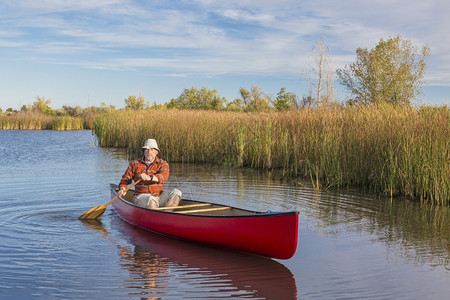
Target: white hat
[{"x": 150, "y": 144}]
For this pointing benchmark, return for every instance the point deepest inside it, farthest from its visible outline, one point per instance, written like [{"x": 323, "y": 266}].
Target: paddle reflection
[
  {"x": 146, "y": 268},
  {"x": 200, "y": 271}
]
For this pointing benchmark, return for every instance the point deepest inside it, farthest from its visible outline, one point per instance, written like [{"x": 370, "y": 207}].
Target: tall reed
[
  {"x": 25, "y": 121},
  {"x": 67, "y": 123},
  {"x": 397, "y": 151},
  {"x": 38, "y": 121}
]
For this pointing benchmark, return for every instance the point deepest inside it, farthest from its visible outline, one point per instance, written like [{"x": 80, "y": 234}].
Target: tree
[
  {"x": 254, "y": 100},
  {"x": 135, "y": 103},
  {"x": 158, "y": 106},
  {"x": 42, "y": 105},
  {"x": 258, "y": 105},
  {"x": 285, "y": 100},
  {"x": 391, "y": 72},
  {"x": 306, "y": 102},
  {"x": 193, "y": 98},
  {"x": 72, "y": 111},
  {"x": 235, "y": 105},
  {"x": 320, "y": 77}
]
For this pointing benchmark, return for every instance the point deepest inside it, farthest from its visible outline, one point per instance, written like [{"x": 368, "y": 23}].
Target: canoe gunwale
[{"x": 250, "y": 214}]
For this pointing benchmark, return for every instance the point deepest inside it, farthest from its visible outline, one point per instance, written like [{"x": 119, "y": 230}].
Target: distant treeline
[{"x": 39, "y": 115}]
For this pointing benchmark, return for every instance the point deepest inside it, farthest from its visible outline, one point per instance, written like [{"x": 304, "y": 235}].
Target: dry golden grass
[{"x": 38, "y": 121}]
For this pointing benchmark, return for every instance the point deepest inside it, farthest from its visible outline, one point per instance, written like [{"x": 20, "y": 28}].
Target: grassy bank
[
  {"x": 38, "y": 121},
  {"x": 397, "y": 151}
]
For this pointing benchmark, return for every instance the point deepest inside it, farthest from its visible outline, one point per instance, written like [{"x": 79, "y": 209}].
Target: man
[{"x": 153, "y": 172}]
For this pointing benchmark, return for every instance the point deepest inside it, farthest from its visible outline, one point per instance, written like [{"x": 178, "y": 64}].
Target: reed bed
[
  {"x": 25, "y": 121},
  {"x": 397, "y": 151},
  {"x": 67, "y": 123},
  {"x": 37, "y": 121}
]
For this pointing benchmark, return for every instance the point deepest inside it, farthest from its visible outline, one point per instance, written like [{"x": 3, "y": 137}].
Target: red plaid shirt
[{"x": 159, "y": 168}]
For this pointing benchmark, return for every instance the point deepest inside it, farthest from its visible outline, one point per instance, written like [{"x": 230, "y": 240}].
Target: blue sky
[{"x": 85, "y": 52}]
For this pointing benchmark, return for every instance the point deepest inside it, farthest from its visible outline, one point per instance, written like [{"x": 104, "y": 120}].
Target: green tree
[
  {"x": 391, "y": 72},
  {"x": 235, "y": 105},
  {"x": 135, "y": 103},
  {"x": 254, "y": 99},
  {"x": 72, "y": 111},
  {"x": 193, "y": 98},
  {"x": 42, "y": 105},
  {"x": 158, "y": 106},
  {"x": 259, "y": 105},
  {"x": 285, "y": 100}
]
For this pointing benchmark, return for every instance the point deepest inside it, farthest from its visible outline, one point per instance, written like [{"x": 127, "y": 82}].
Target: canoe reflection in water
[{"x": 166, "y": 267}]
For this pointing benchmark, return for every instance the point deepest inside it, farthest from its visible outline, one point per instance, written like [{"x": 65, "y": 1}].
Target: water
[{"x": 351, "y": 245}]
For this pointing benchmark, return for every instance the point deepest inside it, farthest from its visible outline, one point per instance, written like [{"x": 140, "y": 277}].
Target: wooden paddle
[{"x": 97, "y": 212}]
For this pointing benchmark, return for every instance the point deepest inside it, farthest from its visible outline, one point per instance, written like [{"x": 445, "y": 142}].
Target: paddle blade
[
  {"x": 97, "y": 212},
  {"x": 93, "y": 213}
]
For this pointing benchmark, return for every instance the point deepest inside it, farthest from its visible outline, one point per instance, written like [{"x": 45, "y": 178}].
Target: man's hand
[
  {"x": 146, "y": 177},
  {"x": 122, "y": 192}
]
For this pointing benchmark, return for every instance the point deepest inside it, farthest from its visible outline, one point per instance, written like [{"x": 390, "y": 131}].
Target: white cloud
[{"x": 240, "y": 15}]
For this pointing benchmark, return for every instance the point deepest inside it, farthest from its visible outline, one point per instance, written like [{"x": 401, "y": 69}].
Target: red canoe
[{"x": 264, "y": 233}]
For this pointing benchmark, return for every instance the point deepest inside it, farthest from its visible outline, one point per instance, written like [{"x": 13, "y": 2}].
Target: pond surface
[{"x": 351, "y": 245}]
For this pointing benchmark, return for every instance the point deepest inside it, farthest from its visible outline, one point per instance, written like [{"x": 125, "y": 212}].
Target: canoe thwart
[
  {"x": 183, "y": 206},
  {"x": 203, "y": 210}
]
